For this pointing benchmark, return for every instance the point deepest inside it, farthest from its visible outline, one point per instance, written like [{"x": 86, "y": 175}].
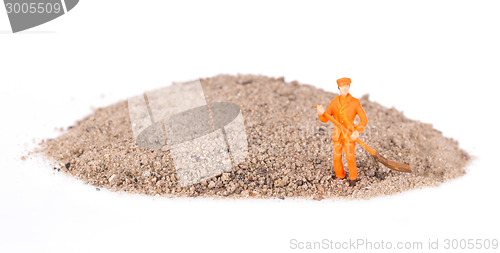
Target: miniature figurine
[{"x": 344, "y": 109}]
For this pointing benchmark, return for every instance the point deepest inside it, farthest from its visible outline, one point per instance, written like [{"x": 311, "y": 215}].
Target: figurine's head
[{"x": 344, "y": 85}]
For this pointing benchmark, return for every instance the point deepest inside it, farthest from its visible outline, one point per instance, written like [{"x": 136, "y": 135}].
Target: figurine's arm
[
  {"x": 363, "y": 120},
  {"x": 329, "y": 111}
]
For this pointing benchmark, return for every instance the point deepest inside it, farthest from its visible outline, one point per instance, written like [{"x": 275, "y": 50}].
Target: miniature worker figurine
[{"x": 344, "y": 109}]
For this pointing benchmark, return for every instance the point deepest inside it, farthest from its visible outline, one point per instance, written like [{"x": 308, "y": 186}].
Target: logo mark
[
  {"x": 204, "y": 139},
  {"x": 26, "y": 14}
]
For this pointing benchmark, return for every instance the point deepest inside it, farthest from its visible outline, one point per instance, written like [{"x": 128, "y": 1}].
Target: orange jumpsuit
[{"x": 344, "y": 110}]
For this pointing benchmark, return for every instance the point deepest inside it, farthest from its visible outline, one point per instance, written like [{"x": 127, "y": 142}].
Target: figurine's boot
[
  {"x": 352, "y": 183},
  {"x": 337, "y": 160},
  {"x": 349, "y": 147}
]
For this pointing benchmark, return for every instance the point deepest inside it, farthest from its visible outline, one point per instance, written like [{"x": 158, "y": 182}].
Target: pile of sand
[{"x": 290, "y": 149}]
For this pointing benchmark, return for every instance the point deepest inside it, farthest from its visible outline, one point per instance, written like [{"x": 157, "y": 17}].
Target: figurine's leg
[
  {"x": 351, "y": 159},
  {"x": 337, "y": 160}
]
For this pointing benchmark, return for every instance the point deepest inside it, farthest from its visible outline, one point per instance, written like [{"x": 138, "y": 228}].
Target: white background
[{"x": 438, "y": 61}]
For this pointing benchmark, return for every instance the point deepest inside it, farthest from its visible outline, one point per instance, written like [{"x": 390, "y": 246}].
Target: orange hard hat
[{"x": 343, "y": 81}]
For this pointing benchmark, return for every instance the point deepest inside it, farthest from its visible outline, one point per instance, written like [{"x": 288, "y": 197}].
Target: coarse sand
[{"x": 289, "y": 148}]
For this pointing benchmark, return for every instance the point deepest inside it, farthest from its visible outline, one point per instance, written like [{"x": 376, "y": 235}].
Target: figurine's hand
[
  {"x": 354, "y": 135},
  {"x": 320, "y": 109}
]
